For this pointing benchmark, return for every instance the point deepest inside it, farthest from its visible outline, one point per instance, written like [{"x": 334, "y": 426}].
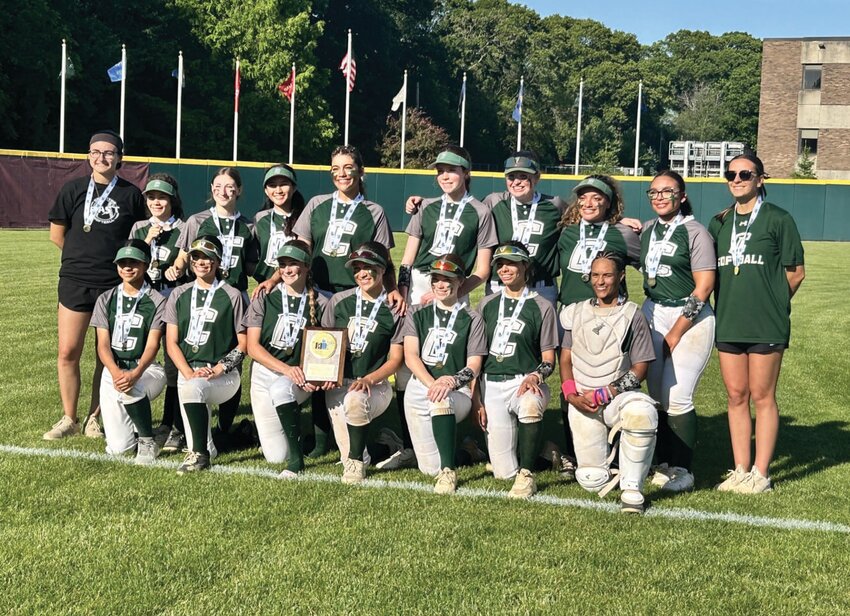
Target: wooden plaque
[{"x": 323, "y": 354}]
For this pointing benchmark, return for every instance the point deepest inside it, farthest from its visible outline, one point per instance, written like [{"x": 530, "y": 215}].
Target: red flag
[
  {"x": 287, "y": 88},
  {"x": 348, "y": 66},
  {"x": 236, "y": 89}
]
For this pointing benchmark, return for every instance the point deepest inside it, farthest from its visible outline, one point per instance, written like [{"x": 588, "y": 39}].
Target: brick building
[{"x": 805, "y": 101}]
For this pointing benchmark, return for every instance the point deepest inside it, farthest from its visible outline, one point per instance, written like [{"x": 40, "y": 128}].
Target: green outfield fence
[{"x": 820, "y": 207}]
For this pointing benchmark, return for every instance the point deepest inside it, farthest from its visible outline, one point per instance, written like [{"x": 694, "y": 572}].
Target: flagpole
[
  {"x": 578, "y": 125},
  {"x": 292, "y": 117},
  {"x": 236, "y": 86},
  {"x": 403, "y": 118},
  {"x": 637, "y": 132},
  {"x": 347, "y": 89},
  {"x": 463, "y": 109},
  {"x": 179, "y": 99},
  {"x": 62, "y": 98},
  {"x": 123, "y": 87},
  {"x": 519, "y": 122}
]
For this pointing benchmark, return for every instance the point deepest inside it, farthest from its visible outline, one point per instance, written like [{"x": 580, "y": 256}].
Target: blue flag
[
  {"x": 116, "y": 73},
  {"x": 517, "y": 114}
]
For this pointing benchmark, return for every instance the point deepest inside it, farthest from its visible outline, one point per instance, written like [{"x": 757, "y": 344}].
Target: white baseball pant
[
  {"x": 268, "y": 391},
  {"x": 355, "y": 408},
  {"x": 203, "y": 391},
  {"x": 118, "y": 428}
]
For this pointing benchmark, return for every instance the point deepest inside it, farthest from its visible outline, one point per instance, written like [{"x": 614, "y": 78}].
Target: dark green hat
[
  {"x": 293, "y": 252},
  {"x": 131, "y": 252},
  {"x": 521, "y": 163}
]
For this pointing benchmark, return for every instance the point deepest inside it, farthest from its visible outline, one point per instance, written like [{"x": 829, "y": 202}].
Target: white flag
[{"x": 399, "y": 98}]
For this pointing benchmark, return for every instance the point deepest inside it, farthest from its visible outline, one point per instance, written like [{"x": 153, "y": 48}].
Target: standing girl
[
  {"x": 128, "y": 320},
  {"x": 759, "y": 269},
  {"x": 202, "y": 337},
  {"x": 274, "y": 222}
]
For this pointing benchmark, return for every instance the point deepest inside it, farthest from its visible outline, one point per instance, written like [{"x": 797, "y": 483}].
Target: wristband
[
  {"x": 627, "y": 382},
  {"x": 693, "y": 306},
  {"x": 464, "y": 377},
  {"x": 232, "y": 360},
  {"x": 544, "y": 370},
  {"x": 404, "y": 276},
  {"x": 568, "y": 387}
]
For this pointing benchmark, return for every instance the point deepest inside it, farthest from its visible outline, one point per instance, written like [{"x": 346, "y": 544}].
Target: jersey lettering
[
  {"x": 428, "y": 354},
  {"x": 348, "y": 228},
  {"x": 517, "y": 327},
  {"x": 210, "y": 317},
  {"x": 108, "y": 213},
  {"x": 136, "y": 324},
  {"x": 537, "y": 228},
  {"x": 668, "y": 249},
  {"x": 582, "y": 252},
  {"x": 275, "y": 242},
  {"x": 237, "y": 241},
  {"x": 364, "y": 323},
  {"x": 448, "y": 229},
  {"x": 285, "y": 322}
]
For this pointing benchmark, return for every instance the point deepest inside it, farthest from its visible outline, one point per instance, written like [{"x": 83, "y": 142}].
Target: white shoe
[
  {"x": 631, "y": 501},
  {"x": 146, "y": 451},
  {"x": 62, "y": 428},
  {"x": 446, "y": 482},
  {"x": 661, "y": 475},
  {"x": 524, "y": 485},
  {"x": 91, "y": 428},
  {"x": 754, "y": 483},
  {"x": 403, "y": 458},
  {"x": 733, "y": 478},
  {"x": 681, "y": 480},
  {"x": 287, "y": 474},
  {"x": 354, "y": 471}
]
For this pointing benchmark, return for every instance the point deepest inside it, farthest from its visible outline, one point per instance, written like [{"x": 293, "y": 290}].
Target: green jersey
[
  {"x": 216, "y": 333},
  {"x": 334, "y": 229},
  {"x": 445, "y": 351},
  {"x": 540, "y": 233},
  {"x": 754, "y": 306},
  {"x": 270, "y": 234},
  {"x": 381, "y": 331},
  {"x": 530, "y": 332},
  {"x": 575, "y": 252},
  {"x": 148, "y": 314},
  {"x": 164, "y": 249},
  {"x": 689, "y": 249},
  {"x": 462, "y": 234},
  {"x": 243, "y": 252},
  {"x": 282, "y": 333}
]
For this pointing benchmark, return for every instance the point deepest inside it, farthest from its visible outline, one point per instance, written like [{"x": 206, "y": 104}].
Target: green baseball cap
[
  {"x": 444, "y": 267},
  {"x": 521, "y": 163},
  {"x": 450, "y": 158},
  {"x": 509, "y": 252},
  {"x": 131, "y": 252},
  {"x": 280, "y": 171},
  {"x": 595, "y": 184},
  {"x": 159, "y": 185},
  {"x": 367, "y": 256},
  {"x": 293, "y": 252}
]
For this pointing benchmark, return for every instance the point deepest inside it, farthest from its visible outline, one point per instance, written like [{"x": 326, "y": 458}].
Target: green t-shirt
[
  {"x": 266, "y": 312},
  {"x": 535, "y": 330},
  {"x": 367, "y": 223},
  {"x": 466, "y": 338},
  {"x": 221, "y": 321},
  {"x": 543, "y": 237},
  {"x": 268, "y": 249},
  {"x": 473, "y": 230},
  {"x": 690, "y": 249},
  {"x": 148, "y": 316},
  {"x": 618, "y": 239},
  {"x": 245, "y": 253},
  {"x": 164, "y": 250},
  {"x": 755, "y": 305}
]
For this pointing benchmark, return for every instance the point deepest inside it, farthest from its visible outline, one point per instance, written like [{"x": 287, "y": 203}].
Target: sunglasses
[
  {"x": 509, "y": 250},
  {"x": 664, "y": 193},
  {"x": 365, "y": 254},
  {"x": 745, "y": 174},
  {"x": 445, "y": 266}
]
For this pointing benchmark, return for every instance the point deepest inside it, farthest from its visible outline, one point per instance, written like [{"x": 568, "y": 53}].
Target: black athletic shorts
[
  {"x": 77, "y": 296},
  {"x": 741, "y": 348}
]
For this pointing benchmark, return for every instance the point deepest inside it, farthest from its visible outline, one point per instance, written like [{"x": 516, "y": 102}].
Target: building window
[
  {"x": 811, "y": 76},
  {"x": 809, "y": 139}
]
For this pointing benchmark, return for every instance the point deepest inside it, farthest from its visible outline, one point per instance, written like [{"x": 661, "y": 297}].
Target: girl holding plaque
[
  {"x": 275, "y": 324},
  {"x": 759, "y": 269},
  {"x": 374, "y": 353},
  {"x": 522, "y": 335},
  {"x": 204, "y": 341},
  {"x": 678, "y": 263},
  {"x": 128, "y": 321},
  {"x": 444, "y": 344}
]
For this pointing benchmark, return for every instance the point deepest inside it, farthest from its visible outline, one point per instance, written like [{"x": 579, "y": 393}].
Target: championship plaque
[{"x": 323, "y": 354}]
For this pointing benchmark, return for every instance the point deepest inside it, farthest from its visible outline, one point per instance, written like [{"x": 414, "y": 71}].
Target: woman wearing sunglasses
[
  {"x": 522, "y": 335},
  {"x": 203, "y": 337},
  {"x": 759, "y": 269},
  {"x": 275, "y": 325},
  {"x": 374, "y": 353},
  {"x": 678, "y": 264},
  {"x": 444, "y": 344}
]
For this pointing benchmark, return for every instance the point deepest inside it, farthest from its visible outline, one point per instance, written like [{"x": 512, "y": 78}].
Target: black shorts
[
  {"x": 77, "y": 296},
  {"x": 742, "y": 348}
]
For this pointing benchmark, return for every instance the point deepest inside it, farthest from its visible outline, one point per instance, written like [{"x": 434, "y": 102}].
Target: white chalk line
[{"x": 656, "y": 511}]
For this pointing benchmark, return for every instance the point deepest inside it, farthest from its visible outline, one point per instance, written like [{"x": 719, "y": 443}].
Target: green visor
[
  {"x": 131, "y": 252},
  {"x": 450, "y": 158},
  {"x": 159, "y": 186},
  {"x": 508, "y": 252},
  {"x": 521, "y": 163},
  {"x": 279, "y": 171},
  {"x": 367, "y": 256},
  {"x": 293, "y": 252},
  {"x": 595, "y": 184}
]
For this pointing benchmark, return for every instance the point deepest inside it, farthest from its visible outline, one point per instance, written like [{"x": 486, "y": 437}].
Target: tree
[
  {"x": 424, "y": 140},
  {"x": 805, "y": 166},
  {"x": 701, "y": 116}
]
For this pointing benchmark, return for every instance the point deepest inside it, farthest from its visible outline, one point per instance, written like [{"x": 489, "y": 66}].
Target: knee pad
[
  {"x": 355, "y": 406},
  {"x": 443, "y": 407},
  {"x": 529, "y": 408},
  {"x": 639, "y": 414},
  {"x": 593, "y": 478}
]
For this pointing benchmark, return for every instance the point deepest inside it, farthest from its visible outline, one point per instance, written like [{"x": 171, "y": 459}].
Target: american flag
[{"x": 348, "y": 66}]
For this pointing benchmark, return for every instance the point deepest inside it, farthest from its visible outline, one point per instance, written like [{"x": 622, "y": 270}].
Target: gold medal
[
  {"x": 195, "y": 348},
  {"x": 650, "y": 282},
  {"x": 737, "y": 270},
  {"x": 155, "y": 265},
  {"x": 225, "y": 273},
  {"x": 439, "y": 365},
  {"x": 585, "y": 277},
  {"x": 500, "y": 358},
  {"x": 334, "y": 253},
  {"x": 86, "y": 228},
  {"x": 288, "y": 350},
  {"x": 357, "y": 353}
]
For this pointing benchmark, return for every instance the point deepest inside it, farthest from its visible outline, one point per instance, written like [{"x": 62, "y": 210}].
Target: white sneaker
[
  {"x": 62, "y": 428},
  {"x": 446, "y": 482},
  {"x": 567, "y": 467},
  {"x": 680, "y": 480},
  {"x": 631, "y": 501},
  {"x": 524, "y": 485},
  {"x": 287, "y": 474},
  {"x": 733, "y": 478},
  {"x": 754, "y": 483},
  {"x": 354, "y": 471},
  {"x": 403, "y": 458},
  {"x": 91, "y": 428},
  {"x": 661, "y": 474},
  {"x": 146, "y": 451}
]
